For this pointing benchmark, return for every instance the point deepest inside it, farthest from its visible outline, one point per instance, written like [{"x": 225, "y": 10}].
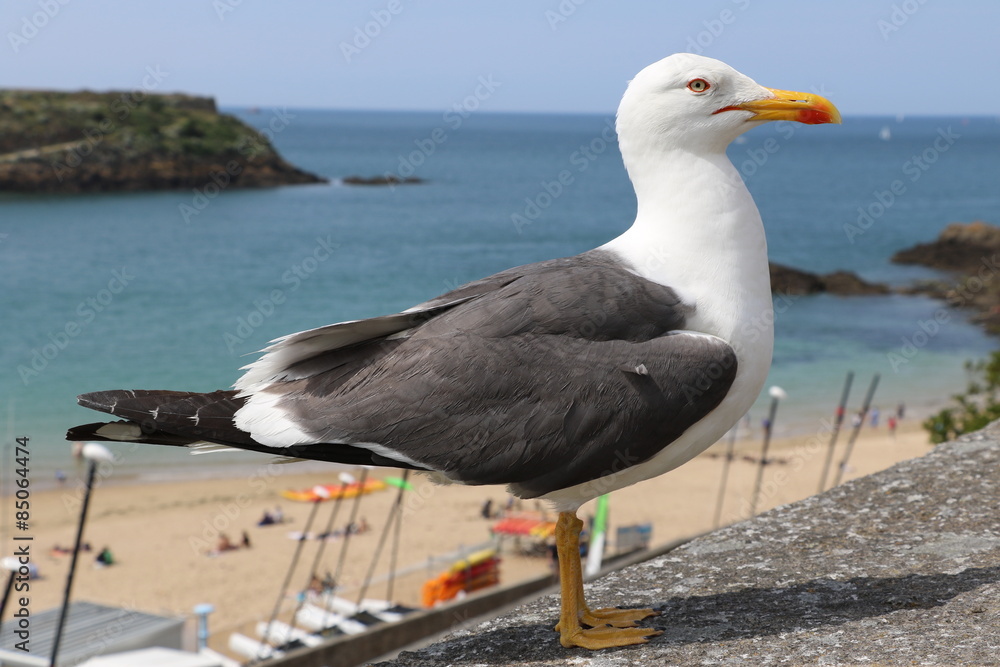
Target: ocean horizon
[{"x": 178, "y": 289}]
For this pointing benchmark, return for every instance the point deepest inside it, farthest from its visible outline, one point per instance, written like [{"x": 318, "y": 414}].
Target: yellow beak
[{"x": 790, "y": 105}]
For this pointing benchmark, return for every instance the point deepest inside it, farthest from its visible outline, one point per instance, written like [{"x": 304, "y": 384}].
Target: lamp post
[{"x": 95, "y": 454}]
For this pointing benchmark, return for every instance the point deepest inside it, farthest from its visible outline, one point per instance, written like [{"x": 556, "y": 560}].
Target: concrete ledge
[{"x": 901, "y": 567}]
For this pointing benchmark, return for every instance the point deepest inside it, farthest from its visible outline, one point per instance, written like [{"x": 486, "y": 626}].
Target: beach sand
[{"x": 160, "y": 533}]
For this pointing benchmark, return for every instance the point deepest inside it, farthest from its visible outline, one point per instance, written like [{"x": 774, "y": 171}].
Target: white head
[{"x": 700, "y": 104}]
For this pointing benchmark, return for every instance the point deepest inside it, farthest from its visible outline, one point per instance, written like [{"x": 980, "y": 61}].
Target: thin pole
[
  {"x": 763, "y": 456},
  {"x": 838, "y": 421},
  {"x": 725, "y": 475},
  {"x": 395, "y": 545},
  {"x": 397, "y": 506},
  {"x": 6, "y": 592},
  {"x": 5, "y": 516},
  {"x": 72, "y": 564},
  {"x": 857, "y": 429},
  {"x": 347, "y": 533},
  {"x": 319, "y": 551},
  {"x": 288, "y": 576}
]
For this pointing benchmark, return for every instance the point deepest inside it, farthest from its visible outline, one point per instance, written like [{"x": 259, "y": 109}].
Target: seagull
[{"x": 565, "y": 379}]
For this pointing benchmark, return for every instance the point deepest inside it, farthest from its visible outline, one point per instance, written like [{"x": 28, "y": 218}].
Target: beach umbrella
[
  {"x": 857, "y": 428},
  {"x": 95, "y": 454},
  {"x": 838, "y": 421},
  {"x": 398, "y": 482},
  {"x": 777, "y": 394}
]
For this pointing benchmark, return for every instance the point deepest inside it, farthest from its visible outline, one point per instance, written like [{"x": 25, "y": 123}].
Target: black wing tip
[
  {"x": 101, "y": 400},
  {"x": 85, "y": 432}
]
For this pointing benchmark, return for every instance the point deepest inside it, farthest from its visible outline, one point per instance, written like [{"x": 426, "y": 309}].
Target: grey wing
[{"x": 566, "y": 373}]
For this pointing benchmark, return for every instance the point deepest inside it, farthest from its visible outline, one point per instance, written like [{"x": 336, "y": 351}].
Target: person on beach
[
  {"x": 105, "y": 558},
  {"x": 224, "y": 544},
  {"x": 875, "y": 416},
  {"x": 892, "y": 427}
]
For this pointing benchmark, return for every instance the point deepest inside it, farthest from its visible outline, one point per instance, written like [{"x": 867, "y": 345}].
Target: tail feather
[{"x": 183, "y": 419}]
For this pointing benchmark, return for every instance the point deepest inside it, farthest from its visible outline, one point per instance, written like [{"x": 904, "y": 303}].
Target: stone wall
[{"x": 898, "y": 568}]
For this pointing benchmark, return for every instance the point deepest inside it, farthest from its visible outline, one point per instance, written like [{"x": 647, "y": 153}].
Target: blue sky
[{"x": 870, "y": 56}]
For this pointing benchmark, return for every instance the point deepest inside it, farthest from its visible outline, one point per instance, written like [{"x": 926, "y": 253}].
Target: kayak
[{"x": 335, "y": 491}]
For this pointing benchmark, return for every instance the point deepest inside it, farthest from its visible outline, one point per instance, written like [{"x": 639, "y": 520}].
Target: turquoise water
[{"x": 121, "y": 291}]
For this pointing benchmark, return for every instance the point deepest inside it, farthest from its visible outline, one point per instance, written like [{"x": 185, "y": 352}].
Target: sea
[{"x": 178, "y": 290}]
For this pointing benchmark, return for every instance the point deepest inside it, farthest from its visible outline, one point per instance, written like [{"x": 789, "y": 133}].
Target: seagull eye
[{"x": 698, "y": 85}]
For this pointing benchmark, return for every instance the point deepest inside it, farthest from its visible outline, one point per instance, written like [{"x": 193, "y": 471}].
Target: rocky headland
[
  {"x": 970, "y": 253},
  {"x": 62, "y": 142}
]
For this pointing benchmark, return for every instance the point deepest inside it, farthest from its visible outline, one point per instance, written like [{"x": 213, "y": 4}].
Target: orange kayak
[{"x": 335, "y": 490}]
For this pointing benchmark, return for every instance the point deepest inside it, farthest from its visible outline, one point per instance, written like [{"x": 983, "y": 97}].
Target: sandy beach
[{"x": 161, "y": 533}]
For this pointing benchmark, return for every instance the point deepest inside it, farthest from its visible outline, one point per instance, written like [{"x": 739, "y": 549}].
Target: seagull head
[{"x": 701, "y": 104}]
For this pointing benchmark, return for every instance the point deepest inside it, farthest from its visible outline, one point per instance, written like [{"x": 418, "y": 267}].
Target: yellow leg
[{"x": 574, "y": 612}]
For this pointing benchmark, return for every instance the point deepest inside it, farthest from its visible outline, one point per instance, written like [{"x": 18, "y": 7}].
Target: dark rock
[
  {"x": 897, "y": 568},
  {"x": 846, "y": 283},
  {"x": 56, "y": 142},
  {"x": 960, "y": 247},
  {"x": 971, "y": 253},
  {"x": 389, "y": 179},
  {"x": 786, "y": 280}
]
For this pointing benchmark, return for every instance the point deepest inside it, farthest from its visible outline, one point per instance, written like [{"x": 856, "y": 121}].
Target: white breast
[{"x": 709, "y": 247}]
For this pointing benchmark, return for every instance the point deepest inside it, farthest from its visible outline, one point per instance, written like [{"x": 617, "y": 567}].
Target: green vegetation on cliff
[
  {"x": 973, "y": 410},
  {"x": 86, "y": 141}
]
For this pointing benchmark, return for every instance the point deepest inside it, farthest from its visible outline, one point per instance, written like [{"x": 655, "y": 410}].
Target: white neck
[{"x": 698, "y": 231}]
